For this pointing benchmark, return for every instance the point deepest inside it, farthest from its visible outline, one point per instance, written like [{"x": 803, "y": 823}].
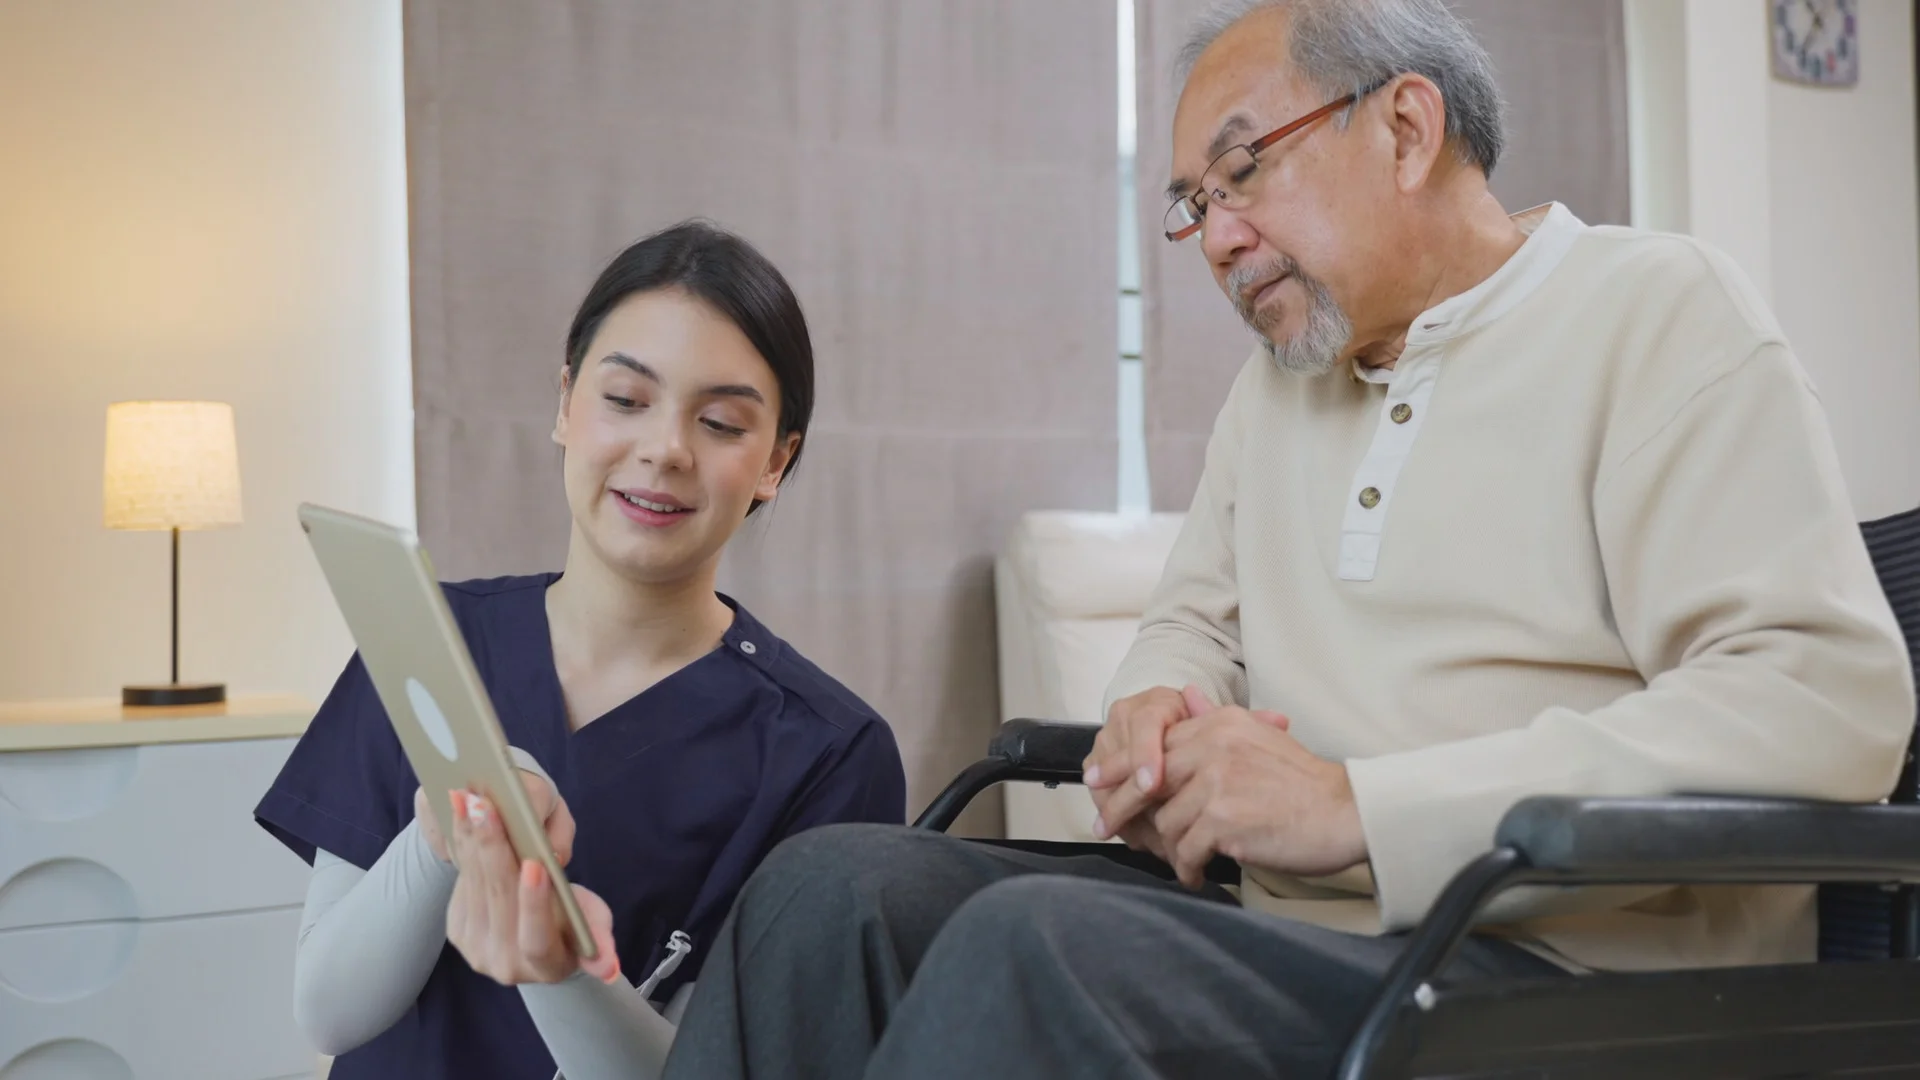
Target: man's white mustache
[{"x": 1244, "y": 283}]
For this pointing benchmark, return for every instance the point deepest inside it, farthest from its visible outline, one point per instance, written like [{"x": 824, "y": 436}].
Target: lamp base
[{"x": 173, "y": 694}]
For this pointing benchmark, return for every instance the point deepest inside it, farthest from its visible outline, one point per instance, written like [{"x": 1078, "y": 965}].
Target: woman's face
[{"x": 670, "y": 430}]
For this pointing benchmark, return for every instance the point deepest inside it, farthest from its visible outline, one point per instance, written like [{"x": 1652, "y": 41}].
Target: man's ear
[
  {"x": 1419, "y": 119},
  {"x": 566, "y": 398},
  {"x": 777, "y": 463}
]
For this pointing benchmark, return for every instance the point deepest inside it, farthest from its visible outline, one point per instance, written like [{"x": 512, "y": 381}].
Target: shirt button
[
  {"x": 1401, "y": 413},
  {"x": 1370, "y": 497},
  {"x": 749, "y": 648}
]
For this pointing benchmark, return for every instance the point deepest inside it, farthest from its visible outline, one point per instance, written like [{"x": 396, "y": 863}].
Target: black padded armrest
[
  {"x": 1559, "y": 840},
  {"x": 1036, "y": 750},
  {"x": 1703, "y": 838},
  {"x": 1044, "y": 745}
]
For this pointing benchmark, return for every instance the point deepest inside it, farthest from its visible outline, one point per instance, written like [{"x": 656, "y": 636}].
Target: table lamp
[{"x": 172, "y": 465}]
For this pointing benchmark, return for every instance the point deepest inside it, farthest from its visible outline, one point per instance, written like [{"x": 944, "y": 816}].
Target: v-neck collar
[{"x": 745, "y": 640}]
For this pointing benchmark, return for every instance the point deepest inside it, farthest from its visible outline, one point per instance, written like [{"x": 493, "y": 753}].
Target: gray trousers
[{"x": 884, "y": 952}]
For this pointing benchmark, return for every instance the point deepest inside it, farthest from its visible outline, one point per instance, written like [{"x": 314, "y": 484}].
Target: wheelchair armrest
[
  {"x": 1037, "y": 750},
  {"x": 1560, "y": 840},
  {"x": 1044, "y": 746},
  {"x": 1709, "y": 838}
]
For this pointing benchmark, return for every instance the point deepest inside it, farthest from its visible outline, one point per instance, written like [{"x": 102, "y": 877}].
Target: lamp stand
[{"x": 174, "y": 692}]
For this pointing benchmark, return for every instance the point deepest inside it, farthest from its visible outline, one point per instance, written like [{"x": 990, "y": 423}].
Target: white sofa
[{"x": 1069, "y": 587}]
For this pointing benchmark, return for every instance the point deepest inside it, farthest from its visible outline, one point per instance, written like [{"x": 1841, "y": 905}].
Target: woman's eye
[
  {"x": 620, "y": 402},
  {"x": 724, "y": 429}
]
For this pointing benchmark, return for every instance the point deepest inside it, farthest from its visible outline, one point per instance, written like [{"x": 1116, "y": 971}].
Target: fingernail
[
  {"x": 1144, "y": 778},
  {"x": 531, "y": 874},
  {"x": 1092, "y": 776},
  {"x": 605, "y": 967},
  {"x": 1099, "y": 827},
  {"x": 476, "y": 810}
]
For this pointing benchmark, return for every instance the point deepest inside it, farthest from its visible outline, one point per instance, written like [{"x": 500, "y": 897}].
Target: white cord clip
[{"x": 678, "y": 946}]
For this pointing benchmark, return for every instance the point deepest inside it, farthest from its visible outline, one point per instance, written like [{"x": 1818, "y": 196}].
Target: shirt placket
[{"x": 1370, "y": 495}]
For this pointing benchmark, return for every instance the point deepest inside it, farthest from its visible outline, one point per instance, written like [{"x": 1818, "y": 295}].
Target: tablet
[{"x": 418, "y": 661}]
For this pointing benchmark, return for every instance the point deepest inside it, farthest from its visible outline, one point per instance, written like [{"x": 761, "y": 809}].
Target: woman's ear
[
  {"x": 783, "y": 453},
  {"x": 566, "y": 397}
]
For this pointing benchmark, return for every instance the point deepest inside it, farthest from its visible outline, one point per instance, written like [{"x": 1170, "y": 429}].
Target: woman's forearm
[
  {"x": 368, "y": 941},
  {"x": 599, "y": 1031}
]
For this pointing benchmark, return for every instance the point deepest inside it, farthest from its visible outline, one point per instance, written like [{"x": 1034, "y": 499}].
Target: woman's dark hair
[{"x": 730, "y": 276}]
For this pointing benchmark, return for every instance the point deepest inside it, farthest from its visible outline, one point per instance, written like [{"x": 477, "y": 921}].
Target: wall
[
  {"x": 200, "y": 199},
  {"x": 1728, "y": 131},
  {"x": 1813, "y": 191},
  {"x": 207, "y": 199},
  {"x": 1846, "y": 254}
]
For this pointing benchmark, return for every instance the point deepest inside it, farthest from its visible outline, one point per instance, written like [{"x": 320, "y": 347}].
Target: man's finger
[
  {"x": 1140, "y": 836},
  {"x": 1128, "y": 747},
  {"x": 1191, "y": 745},
  {"x": 1196, "y": 699},
  {"x": 1268, "y": 716},
  {"x": 1145, "y": 747},
  {"x": 1146, "y": 741},
  {"x": 1193, "y": 741},
  {"x": 1122, "y": 805},
  {"x": 1110, "y": 741},
  {"x": 1108, "y": 745},
  {"x": 1174, "y": 817},
  {"x": 1192, "y": 852}
]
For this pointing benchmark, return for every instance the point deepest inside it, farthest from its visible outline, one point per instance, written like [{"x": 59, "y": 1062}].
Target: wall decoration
[{"x": 1817, "y": 42}]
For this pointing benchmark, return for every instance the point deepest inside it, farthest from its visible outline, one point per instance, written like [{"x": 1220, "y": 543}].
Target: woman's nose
[{"x": 664, "y": 445}]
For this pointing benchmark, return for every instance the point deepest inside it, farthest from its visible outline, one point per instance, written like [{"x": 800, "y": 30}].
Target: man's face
[{"x": 1294, "y": 259}]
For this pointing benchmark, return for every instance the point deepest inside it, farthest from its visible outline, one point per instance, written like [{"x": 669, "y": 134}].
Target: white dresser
[{"x": 146, "y": 923}]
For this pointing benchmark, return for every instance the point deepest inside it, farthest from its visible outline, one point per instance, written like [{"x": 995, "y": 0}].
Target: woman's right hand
[{"x": 546, "y": 802}]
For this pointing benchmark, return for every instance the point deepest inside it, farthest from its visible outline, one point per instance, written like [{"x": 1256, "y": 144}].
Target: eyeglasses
[{"x": 1235, "y": 178}]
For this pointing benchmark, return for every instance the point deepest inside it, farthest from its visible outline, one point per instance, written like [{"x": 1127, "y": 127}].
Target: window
[{"x": 1134, "y": 492}]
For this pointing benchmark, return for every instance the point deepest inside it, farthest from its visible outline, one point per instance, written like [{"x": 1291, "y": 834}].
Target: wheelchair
[{"x": 1855, "y": 1013}]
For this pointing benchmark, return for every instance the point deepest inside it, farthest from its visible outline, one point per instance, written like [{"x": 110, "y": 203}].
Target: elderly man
[{"x": 1503, "y": 506}]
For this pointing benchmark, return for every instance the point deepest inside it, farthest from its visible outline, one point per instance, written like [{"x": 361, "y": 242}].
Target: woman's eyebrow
[
  {"x": 737, "y": 390},
  {"x": 623, "y": 360}
]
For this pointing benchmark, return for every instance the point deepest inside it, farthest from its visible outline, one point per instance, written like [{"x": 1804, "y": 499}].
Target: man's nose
[{"x": 1225, "y": 236}]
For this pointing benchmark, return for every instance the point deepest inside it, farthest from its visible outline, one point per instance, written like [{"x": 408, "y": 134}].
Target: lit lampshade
[{"x": 171, "y": 465}]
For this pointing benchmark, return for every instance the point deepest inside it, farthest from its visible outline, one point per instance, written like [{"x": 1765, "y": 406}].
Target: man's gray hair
[{"x": 1343, "y": 46}]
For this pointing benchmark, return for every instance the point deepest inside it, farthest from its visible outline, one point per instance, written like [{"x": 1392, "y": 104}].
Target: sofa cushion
[
  {"x": 1090, "y": 565},
  {"x": 1086, "y": 653}
]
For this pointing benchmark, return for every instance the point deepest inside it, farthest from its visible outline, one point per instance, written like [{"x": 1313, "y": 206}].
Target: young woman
[{"x": 682, "y": 736}]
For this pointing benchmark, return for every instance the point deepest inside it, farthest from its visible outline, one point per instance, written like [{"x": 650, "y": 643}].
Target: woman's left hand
[{"x": 504, "y": 917}]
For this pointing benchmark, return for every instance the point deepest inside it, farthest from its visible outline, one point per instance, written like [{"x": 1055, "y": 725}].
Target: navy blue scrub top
[{"x": 677, "y": 794}]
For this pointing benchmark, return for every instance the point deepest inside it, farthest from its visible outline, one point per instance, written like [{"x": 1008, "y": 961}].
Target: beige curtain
[
  {"x": 1562, "y": 70},
  {"x": 934, "y": 177}
]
